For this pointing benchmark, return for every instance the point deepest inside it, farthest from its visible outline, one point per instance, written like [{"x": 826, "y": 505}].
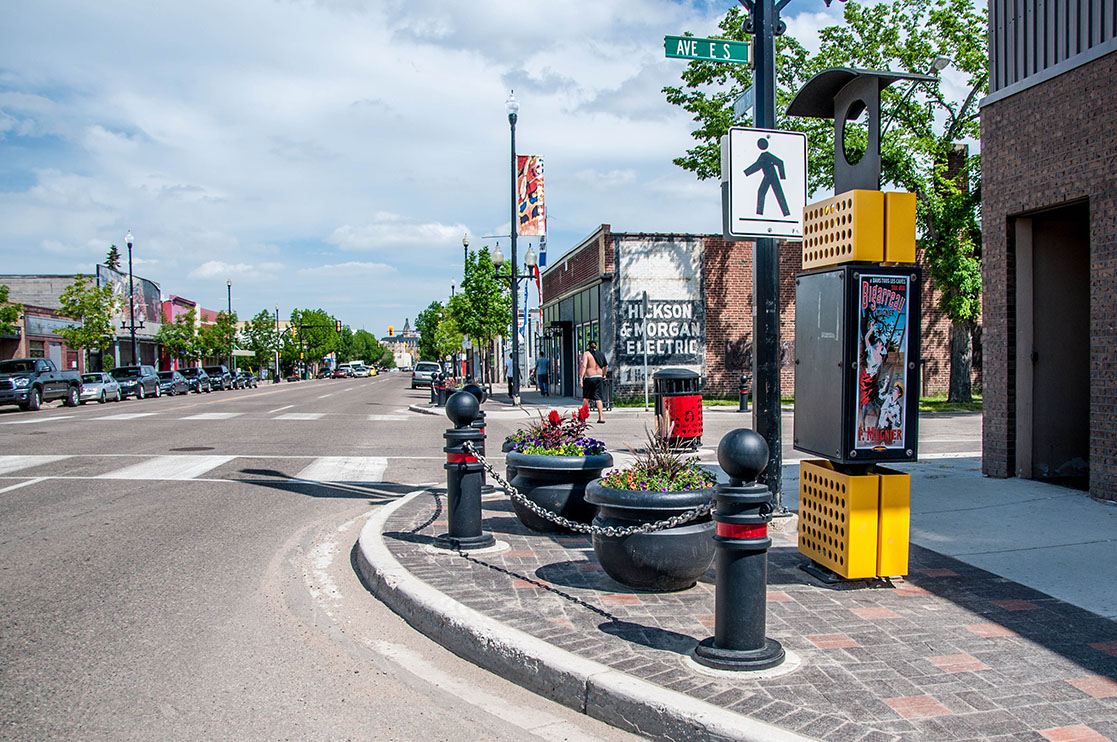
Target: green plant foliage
[
  {"x": 180, "y": 337},
  {"x": 95, "y": 308},
  {"x": 658, "y": 468},
  {"x": 261, "y": 337},
  {"x": 9, "y": 313},
  {"x": 557, "y": 435}
]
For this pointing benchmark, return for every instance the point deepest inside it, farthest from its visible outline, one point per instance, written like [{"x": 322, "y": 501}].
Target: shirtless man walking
[{"x": 591, "y": 375}]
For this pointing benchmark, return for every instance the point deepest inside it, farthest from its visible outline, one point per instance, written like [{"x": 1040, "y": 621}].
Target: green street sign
[{"x": 714, "y": 50}]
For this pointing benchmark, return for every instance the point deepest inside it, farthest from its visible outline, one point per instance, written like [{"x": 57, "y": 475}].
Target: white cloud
[{"x": 386, "y": 231}]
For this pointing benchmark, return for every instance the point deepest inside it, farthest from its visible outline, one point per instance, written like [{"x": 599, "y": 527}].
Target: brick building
[
  {"x": 699, "y": 312},
  {"x": 1049, "y": 218}
]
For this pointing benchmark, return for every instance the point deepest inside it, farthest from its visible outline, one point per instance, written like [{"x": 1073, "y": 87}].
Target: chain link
[{"x": 573, "y": 525}]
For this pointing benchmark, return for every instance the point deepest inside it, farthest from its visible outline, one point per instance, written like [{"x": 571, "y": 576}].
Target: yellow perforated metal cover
[
  {"x": 838, "y": 517},
  {"x": 844, "y": 228}
]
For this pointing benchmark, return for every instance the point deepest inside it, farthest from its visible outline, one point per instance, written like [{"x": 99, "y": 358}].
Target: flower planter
[
  {"x": 557, "y": 483},
  {"x": 662, "y": 561}
]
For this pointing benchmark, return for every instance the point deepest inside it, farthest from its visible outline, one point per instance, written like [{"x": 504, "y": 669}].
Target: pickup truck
[{"x": 28, "y": 382}]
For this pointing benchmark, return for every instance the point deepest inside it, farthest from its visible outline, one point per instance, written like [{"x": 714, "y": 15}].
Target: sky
[{"x": 332, "y": 153}]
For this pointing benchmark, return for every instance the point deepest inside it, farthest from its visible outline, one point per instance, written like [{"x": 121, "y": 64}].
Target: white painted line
[
  {"x": 326, "y": 395},
  {"x": 300, "y": 416},
  {"x": 214, "y": 416},
  {"x": 36, "y": 480},
  {"x": 37, "y": 420},
  {"x": 363, "y": 469},
  {"x": 15, "y": 463},
  {"x": 126, "y": 416},
  {"x": 280, "y": 409},
  {"x": 169, "y": 467},
  {"x": 386, "y": 418}
]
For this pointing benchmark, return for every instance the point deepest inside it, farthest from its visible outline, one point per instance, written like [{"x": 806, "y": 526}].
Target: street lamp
[
  {"x": 940, "y": 64},
  {"x": 275, "y": 380},
  {"x": 131, "y": 298},
  {"x": 514, "y": 279},
  {"x": 465, "y": 251},
  {"x": 513, "y": 107},
  {"x": 229, "y": 286}
]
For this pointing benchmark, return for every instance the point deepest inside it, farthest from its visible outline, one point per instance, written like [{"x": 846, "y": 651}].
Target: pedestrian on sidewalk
[
  {"x": 541, "y": 374},
  {"x": 508, "y": 372},
  {"x": 591, "y": 374}
]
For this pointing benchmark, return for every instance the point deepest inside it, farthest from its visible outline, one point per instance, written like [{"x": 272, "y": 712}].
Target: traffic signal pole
[{"x": 765, "y": 26}]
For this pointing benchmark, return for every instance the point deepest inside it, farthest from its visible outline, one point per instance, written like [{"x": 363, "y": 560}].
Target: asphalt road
[{"x": 179, "y": 568}]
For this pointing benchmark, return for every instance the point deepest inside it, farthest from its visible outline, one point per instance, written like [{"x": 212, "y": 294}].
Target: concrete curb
[
  {"x": 425, "y": 410},
  {"x": 589, "y": 687}
]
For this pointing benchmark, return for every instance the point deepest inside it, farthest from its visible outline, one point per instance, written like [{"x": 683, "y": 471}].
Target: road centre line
[
  {"x": 280, "y": 409},
  {"x": 326, "y": 395}
]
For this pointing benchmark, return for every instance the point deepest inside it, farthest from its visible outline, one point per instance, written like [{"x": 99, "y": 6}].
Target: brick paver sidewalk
[{"x": 952, "y": 653}]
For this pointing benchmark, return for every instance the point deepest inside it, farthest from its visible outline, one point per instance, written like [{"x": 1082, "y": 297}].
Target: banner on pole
[{"x": 529, "y": 195}]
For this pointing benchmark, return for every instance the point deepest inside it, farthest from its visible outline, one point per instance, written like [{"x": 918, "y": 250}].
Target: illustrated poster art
[
  {"x": 882, "y": 360},
  {"x": 529, "y": 199}
]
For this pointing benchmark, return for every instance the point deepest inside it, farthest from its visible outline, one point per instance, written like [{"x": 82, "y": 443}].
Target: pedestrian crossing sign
[{"x": 764, "y": 182}]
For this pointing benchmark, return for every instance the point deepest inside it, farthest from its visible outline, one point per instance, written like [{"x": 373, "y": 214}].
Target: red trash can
[{"x": 678, "y": 407}]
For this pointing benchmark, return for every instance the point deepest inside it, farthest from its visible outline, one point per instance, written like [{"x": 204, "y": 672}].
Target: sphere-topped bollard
[
  {"x": 479, "y": 424},
  {"x": 445, "y": 390},
  {"x": 463, "y": 478},
  {"x": 434, "y": 388},
  {"x": 743, "y": 512}
]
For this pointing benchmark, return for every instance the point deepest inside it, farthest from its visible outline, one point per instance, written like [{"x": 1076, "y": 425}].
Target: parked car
[
  {"x": 341, "y": 372},
  {"x": 101, "y": 387},
  {"x": 219, "y": 376},
  {"x": 137, "y": 381},
  {"x": 197, "y": 379},
  {"x": 246, "y": 379},
  {"x": 172, "y": 383},
  {"x": 424, "y": 373},
  {"x": 28, "y": 382}
]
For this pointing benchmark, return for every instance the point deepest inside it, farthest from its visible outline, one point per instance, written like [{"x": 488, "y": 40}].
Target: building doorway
[{"x": 1053, "y": 346}]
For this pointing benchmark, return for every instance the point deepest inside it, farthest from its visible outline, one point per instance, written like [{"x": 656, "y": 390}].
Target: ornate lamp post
[
  {"x": 229, "y": 287},
  {"x": 275, "y": 380},
  {"x": 514, "y": 279},
  {"x": 131, "y": 299}
]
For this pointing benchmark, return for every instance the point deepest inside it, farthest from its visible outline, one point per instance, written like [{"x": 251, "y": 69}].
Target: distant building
[
  {"x": 404, "y": 345},
  {"x": 1049, "y": 221}
]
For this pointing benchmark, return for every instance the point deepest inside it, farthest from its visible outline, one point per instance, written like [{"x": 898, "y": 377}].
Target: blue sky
[{"x": 332, "y": 153}]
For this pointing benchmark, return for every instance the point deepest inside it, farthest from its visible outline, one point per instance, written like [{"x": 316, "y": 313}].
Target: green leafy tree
[
  {"x": 9, "y": 313},
  {"x": 922, "y": 128},
  {"x": 447, "y": 337},
  {"x": 261, "y": 337},
  {"x": 317, "y": 336},
  {"x": 482, "y": 310},
  {"x": 345, "y": 350},
  {"x": 426, "y": 324},
  {"x": 112, "y": 260},
  {"x": 95, "y": 308},
  {"x": 180, "y": 336},
  {"x": 217, "y": 340}
]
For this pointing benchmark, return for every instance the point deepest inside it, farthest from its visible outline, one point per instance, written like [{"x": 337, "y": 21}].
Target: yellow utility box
[
  {"x": 859, "y": 226},
  {"x": 855, "y": 526},
  {"x": 899, "y": 227}
]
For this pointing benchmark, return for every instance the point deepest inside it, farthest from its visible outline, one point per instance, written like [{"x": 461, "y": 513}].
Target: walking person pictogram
[{"x": 772, "y": 167}]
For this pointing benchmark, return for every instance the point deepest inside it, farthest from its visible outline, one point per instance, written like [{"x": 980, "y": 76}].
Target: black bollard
[
  {"x": 740, "y": 599},
  {"x": 744, "y": 389},
  {"x": 434, "y": 388},
  {"x": 444, "y": 393},
  {"x": 479, "y": 424},
  {"x": 463, "y": 478}
]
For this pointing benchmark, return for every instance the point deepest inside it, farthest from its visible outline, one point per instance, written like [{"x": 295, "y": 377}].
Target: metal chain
[{"x": 573, "y": 525}]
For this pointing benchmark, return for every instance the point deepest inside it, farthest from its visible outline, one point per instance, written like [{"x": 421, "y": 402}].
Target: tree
[
  {"x": 179, "y": 338},
  {"x": 112, "y": 260},
  {"x": 218, "y": 340},
  {"x": 921, "y": 126},
  {"x": 95, "y": 308},
  {"x": 317, "y": 336},
  {"x": 261, "y": 338},
  {"x": 482, "y": 310},
  {"x": 9, "y": 313},
  {"x": 426, "y": 324},
  {"x": 447, "y": 337}
]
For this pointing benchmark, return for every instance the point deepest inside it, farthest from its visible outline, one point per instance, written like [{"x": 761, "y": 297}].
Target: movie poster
[
  {"x": 529, "y": 199},
  {"x": 883, "y": 314}
]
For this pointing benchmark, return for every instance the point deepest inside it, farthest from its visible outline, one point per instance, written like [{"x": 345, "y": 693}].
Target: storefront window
[{"x": 36, "y": 349}]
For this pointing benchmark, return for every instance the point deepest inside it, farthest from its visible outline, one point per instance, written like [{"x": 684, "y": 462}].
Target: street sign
[
  {"x": 742, "y": 107},
  {"x": 766, "y": 173},
  {"x": 714, "y": 50}
]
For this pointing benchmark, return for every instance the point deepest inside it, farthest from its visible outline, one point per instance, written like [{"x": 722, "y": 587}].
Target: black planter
[
  {"x": 671, "y": 559},
  {"x": 557, "y": 483}
]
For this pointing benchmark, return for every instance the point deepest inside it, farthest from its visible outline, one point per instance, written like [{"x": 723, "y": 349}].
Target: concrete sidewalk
[{"x": 1003, "y": 628}]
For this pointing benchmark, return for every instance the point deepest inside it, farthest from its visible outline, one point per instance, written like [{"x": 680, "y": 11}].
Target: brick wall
[
  {"x": 580, "y": 266},
  {"x": 1046, "y": 146}
]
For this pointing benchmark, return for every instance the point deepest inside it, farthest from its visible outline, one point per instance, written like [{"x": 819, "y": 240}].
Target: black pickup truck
[{"x": 28, "y": 382}]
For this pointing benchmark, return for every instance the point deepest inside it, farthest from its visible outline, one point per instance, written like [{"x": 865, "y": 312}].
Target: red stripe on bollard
[
  {"x": 460, "y": 458},
  {"x": 736, "y": 530}
]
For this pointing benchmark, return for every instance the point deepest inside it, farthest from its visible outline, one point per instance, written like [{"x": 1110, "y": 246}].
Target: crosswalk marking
[
  {"x": 36, "y": 420},
  {"x": 362, "y": 469},
  {"x": 280, "y": 409},
  {"x": 126, "y": 416},
  {"x": 15, "y": 463},
  {"x": 214, "y": 416},
  {"x": 169, "y": 467},
  {"x": 300, "y": 416},
  {"x": 386, "y": 418}
]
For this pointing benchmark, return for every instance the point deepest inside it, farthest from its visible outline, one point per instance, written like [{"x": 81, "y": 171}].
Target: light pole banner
[{"x": 529, "y": 198}]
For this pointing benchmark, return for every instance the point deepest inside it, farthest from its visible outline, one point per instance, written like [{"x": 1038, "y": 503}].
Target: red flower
[
  {"x": 554, "y": 417},
  {"x": 583, "y": 412}
]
